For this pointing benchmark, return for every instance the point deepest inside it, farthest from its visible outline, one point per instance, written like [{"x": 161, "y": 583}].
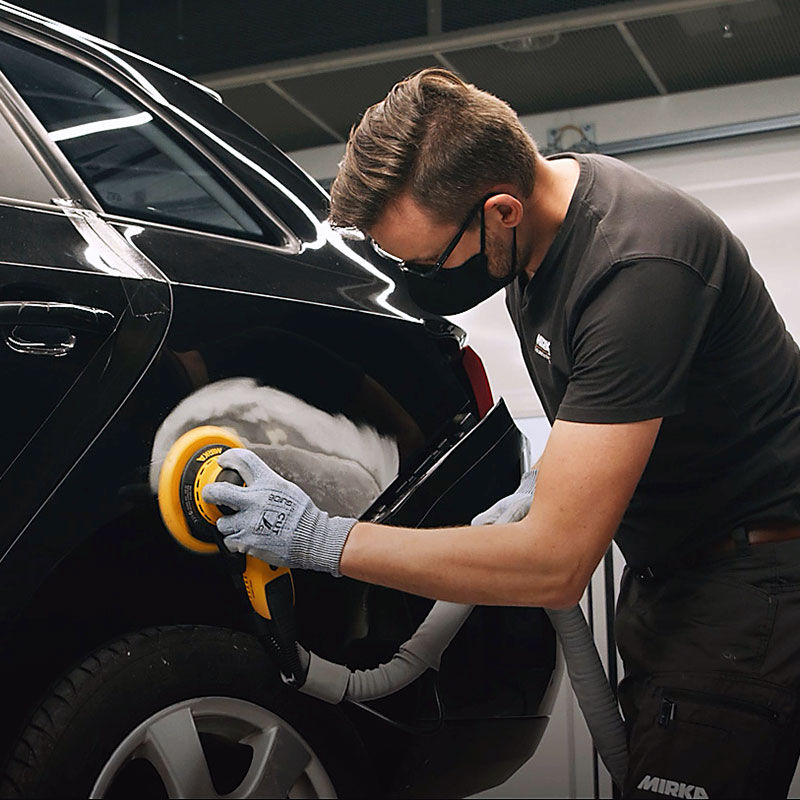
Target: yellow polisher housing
[{"x": 201, "y": 444}]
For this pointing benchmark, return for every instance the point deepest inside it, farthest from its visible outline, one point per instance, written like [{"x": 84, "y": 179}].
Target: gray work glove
[
  {"x": 513, "y": 507},
  {"x": 276, "y": 520}
]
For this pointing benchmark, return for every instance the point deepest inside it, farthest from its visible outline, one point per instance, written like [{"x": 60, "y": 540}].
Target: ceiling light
[{"x": 529, "y": 44}]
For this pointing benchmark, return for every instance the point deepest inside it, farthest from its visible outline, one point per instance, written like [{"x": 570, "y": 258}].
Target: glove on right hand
[
  {"x": 274, "y": 519},
  {"x": 513, "y": 507}
]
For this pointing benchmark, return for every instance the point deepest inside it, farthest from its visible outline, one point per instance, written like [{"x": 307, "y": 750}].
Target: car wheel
[{"x": 186, "y": 711}]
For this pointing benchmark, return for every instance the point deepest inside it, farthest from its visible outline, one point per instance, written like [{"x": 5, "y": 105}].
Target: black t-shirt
[{"x": 645, "y": 306}]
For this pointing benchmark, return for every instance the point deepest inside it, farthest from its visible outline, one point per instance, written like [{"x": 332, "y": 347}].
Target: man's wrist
[{"x": 318, "y": 541}]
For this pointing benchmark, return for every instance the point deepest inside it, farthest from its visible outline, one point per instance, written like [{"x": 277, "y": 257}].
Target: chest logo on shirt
[{"x": 542, "y": 346}]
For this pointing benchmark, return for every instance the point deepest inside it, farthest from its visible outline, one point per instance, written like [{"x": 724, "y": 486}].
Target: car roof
[{"x": 112, "y": 55}]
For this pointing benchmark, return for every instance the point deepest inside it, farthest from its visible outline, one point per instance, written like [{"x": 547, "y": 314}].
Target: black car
[{"x": 162, "y": 265}]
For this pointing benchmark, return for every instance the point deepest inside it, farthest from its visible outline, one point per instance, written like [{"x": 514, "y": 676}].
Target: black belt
[{"x": 739, "y": 540}]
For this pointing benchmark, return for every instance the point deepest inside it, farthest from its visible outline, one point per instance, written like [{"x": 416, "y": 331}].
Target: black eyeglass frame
[{"x": 429, "y": 270}]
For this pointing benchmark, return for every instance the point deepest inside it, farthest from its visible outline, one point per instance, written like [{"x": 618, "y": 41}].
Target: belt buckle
[{"x": 741, "y": 541}]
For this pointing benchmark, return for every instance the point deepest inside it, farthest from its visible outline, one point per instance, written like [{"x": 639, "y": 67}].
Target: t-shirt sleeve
[{"x": 634, "y": 343}]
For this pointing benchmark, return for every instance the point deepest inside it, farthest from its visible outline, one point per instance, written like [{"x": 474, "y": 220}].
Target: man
[{"x": 673, "y": 390}]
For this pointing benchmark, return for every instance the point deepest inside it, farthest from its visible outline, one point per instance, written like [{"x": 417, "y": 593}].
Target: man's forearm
[
  {"x": 485, "y": 565},
  {"x": 585, "y": 482}
]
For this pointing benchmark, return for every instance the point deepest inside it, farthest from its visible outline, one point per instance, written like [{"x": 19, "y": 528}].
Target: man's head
[
  {"x": 437, "y": 174},
  {"x": 436, "y": 140}
]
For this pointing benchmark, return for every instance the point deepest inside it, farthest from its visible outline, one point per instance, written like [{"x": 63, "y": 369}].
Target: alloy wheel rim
[{"x": 175, "y": 743}]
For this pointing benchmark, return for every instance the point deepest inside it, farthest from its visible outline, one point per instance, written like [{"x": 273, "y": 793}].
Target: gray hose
[
  {"x": 335, "y": 682},
  {"x": 421, "y": 652},
  {"x": 591, "y": 687}
]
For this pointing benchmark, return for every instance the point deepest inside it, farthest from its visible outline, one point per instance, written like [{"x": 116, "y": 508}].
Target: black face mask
[{"x": 456, "y": 289}]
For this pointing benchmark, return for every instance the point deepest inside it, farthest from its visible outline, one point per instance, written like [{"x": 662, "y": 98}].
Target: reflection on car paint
[{"x": 335, "y": 240}]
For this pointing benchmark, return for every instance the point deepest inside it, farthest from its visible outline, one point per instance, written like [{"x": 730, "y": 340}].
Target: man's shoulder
[
  {"x": 630, "y": 215},
  {"x": 628, "y": 187}
]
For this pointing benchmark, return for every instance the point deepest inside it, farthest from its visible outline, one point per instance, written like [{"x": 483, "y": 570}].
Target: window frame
[{"x": 72, "y": 187}]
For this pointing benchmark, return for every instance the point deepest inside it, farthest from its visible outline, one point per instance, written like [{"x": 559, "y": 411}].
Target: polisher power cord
[{"x": 191, "y": 463}]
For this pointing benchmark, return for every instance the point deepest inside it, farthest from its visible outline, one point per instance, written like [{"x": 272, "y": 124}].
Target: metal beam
[
  {"x": 581, "y": 19},
  {"x": 434, "y": 17},
  {"x": 446, "y": 62},
  {"x": 638, "y": 53},
  {"x": 293, "y": 101},
  {"x": 711, "y": 134}
]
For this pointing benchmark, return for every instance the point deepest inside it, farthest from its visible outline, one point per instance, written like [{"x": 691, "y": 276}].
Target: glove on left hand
[
  {"x": 512, "y": 508},
  {"x": 275, "y": 520}
]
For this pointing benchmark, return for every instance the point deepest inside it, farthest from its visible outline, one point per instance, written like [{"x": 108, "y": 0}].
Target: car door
[{"x": 81, "y": 313}]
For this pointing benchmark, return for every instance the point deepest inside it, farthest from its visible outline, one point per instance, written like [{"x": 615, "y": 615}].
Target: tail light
[{"x": 478, "y": 379}]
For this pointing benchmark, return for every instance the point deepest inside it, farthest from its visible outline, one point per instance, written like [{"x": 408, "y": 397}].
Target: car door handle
[{"x": 46, "y": 328}]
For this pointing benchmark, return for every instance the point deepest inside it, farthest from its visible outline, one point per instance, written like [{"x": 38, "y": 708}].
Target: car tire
[{"x": 183, "y": 711}]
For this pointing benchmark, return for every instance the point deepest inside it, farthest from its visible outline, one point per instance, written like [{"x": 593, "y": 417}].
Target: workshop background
[{"x": 705, "y": 95}]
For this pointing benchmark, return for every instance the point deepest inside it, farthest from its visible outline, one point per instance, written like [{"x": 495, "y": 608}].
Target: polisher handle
[{"x": 271, "y": 593}]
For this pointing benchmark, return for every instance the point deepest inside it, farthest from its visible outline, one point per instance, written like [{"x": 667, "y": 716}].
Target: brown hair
[{"x": 444, "y": 140}]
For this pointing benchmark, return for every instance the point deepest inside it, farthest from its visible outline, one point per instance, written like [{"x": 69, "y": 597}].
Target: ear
[{"x": 505, "y": 209}]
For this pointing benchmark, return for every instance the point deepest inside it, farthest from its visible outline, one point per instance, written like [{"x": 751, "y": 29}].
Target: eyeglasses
[{"x": 428, "y": 270}]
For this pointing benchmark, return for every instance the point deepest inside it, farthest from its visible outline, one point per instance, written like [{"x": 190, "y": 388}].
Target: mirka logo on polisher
[{"x": 206, "y": 454}]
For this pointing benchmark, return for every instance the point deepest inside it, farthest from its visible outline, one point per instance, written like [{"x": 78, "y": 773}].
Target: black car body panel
[
  {"x": 83, "y": 553},
  {"x": 61, "y": 404}
]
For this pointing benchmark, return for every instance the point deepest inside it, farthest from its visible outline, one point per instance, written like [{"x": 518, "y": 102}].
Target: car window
[
  {"x": 133, "y": 164},
  {"x": 246, "y": 152}
]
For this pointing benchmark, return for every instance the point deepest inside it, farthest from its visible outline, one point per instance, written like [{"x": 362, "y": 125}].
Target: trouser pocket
[{"x": 708, "y": 736}]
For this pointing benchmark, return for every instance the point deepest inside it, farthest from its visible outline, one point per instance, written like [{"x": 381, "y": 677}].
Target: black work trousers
[{"x": 712, "y": 674}]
